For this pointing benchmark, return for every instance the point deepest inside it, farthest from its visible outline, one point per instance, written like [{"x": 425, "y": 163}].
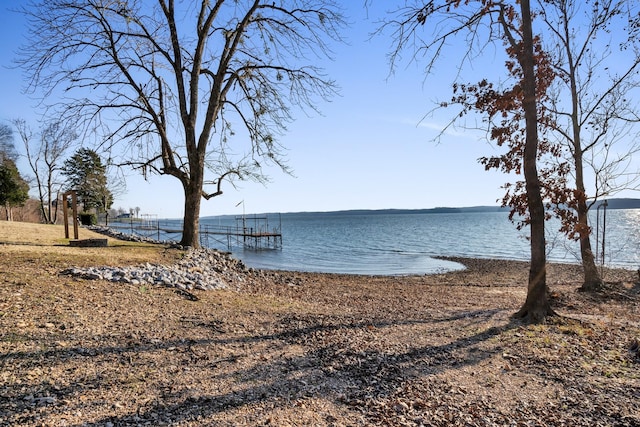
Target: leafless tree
[
  {"x": 192, "y": 89},
  {"x": 45, "y": 153},
  {"x": 592, "y": 108}
]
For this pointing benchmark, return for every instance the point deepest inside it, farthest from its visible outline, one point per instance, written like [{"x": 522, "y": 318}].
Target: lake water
[{"x": 406, "y": 243}]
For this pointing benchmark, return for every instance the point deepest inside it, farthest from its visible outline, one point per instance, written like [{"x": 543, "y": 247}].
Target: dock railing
[{"x": 249, "y": 232}]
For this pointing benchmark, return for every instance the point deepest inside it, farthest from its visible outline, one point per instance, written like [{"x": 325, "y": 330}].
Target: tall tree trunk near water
[
  {"x": 192, "y": 200},
  {"x": 536, "y": 306},
  {"x": 191, "y": 223},
  {"x": 592, "y": 280}
]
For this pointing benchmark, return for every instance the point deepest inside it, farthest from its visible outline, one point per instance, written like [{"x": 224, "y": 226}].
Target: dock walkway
[{"x": 249, "y": 232}]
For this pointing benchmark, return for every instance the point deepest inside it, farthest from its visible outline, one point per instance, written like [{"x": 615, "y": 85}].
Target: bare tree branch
[{"x": 161, "y": 79}]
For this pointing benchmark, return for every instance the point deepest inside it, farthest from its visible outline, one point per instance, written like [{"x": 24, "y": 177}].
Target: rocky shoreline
[{"x": 201, "y": 269}]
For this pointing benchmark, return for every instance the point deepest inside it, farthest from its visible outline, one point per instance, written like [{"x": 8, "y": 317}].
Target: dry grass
[{"x": 27, "y": 240}]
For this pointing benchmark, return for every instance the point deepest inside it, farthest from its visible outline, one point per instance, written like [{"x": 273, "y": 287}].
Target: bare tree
[
  {"x": 483, "y": 22},
  {"x": 593, "y": 115},
  {"x": 7, "y": 147},
  {"x": 45, "y": 152},
  {"x": 192, "y": 89}
]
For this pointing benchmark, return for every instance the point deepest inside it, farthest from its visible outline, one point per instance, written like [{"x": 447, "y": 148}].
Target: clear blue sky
[{"x": 372, "y": 148}]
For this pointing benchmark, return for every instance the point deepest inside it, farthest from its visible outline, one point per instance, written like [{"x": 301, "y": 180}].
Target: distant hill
[
  {"x": 622, "y": 204},
  {"x": 611, "y": 204},
  {"x": 417, "y": 211}
]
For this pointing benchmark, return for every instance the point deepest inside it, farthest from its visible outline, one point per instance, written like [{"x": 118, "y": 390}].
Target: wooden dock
[
  {"x": 245, "y": 236},
  {"x": 250, "y": 232}
]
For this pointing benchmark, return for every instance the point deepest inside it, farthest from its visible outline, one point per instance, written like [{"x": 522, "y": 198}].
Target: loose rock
[{"x": 202, "y": 269}]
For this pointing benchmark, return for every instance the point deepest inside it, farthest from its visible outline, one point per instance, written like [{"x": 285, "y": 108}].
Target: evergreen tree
[
  {"x": 7, "y": 149},
  {"x": 87, "y": 175},
  {"x": 14, "y": 190}
]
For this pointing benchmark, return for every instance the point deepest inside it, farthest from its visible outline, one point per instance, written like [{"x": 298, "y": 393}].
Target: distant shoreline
[{"x": 616, "y": 203}]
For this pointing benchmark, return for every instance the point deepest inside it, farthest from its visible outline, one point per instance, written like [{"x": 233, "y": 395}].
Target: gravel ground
[{"x": 296, "y": 349}]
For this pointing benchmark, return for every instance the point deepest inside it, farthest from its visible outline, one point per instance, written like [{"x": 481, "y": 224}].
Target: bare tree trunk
[
  {"x": 536, "y": 306},
  {"x": 43, "y": 211},
  {"x": 50, "y": 218},
  {"x": 192, "y": 200},
  {"x": 592, "y": 279},
  {"x": 54, "y": 217},
  {"x": 191, "y": 225}
]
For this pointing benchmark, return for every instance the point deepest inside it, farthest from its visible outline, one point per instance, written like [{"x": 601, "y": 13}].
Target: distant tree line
[
  {"x": 14, "y": 189},
  {"x": 51, "y": 174}
]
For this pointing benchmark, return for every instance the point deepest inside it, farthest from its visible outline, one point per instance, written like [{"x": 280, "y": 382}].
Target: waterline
[{"x": 405, "y": 243}]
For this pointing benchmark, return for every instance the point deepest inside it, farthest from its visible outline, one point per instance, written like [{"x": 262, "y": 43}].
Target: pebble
[
  {"x": 202, "y": 269},
  {"x": 46, "y": 400}
]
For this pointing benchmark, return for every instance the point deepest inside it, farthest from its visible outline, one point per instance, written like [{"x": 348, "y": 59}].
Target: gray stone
[{"x": 201, "y": 269}]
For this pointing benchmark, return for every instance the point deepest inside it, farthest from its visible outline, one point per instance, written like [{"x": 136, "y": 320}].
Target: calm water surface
[{"x": 408, "y": 243}]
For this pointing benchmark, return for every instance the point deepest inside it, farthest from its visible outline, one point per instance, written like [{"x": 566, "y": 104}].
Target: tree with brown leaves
[
  {"x": 485, "y": 21},
  {"x": 585, "y": 115}
]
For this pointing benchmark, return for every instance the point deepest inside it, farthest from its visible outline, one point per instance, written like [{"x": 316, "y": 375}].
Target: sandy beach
[{"x": 302, "y": 349}]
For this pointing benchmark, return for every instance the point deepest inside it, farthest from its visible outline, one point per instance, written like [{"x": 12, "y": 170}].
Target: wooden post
[
  {"x": 74, "y": 211},
  {"x": 65, "y": 214}
]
